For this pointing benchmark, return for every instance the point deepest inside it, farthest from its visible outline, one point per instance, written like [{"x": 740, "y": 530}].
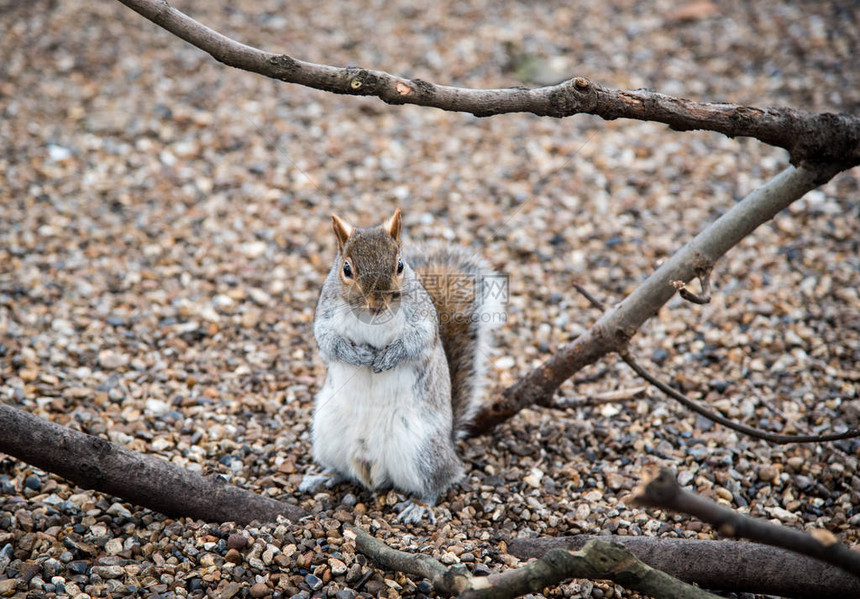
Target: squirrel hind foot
[{"x": 413, "y": 511}]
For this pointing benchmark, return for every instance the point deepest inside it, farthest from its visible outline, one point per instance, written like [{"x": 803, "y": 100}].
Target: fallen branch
[
  {"x": 664, "y": 492},
  {"x": 612, "y": 332},
  {"x": 730, "y": 566},
  {"x": 598, "y": 559},
  {"x": 808, "y": 137},
  {"x": 94, "y": 463}
]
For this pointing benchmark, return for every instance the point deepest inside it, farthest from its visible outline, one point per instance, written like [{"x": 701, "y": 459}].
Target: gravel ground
[{"x": 164, "y": 233}]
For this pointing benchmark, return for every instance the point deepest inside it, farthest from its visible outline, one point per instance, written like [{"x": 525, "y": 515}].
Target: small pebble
[
  {"x": 337, "y": 566},
  {"x": 8, "y": 587},
  {"x": 78, "y": 567},
  {"x": 237, "y": 541},
  {"x": 767, "y": 473}
]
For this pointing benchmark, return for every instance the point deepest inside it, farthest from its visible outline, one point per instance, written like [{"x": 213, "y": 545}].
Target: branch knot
[
  {"x": 287, "y": 63},
  {"x": 363, "y": 83}
]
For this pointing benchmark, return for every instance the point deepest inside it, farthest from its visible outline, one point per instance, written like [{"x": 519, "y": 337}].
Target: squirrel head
[{"x": 370, "y": 269}]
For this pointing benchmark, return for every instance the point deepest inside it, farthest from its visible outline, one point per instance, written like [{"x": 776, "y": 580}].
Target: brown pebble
[
  {"x": 233, "y": 556},
  {"x": 354, "y": 573},
  {"x": 331, "y": 524},
  {"x": 374, "y": 586},
  {"x": 237, "y": 541},
  {"x": 767, "y": 473},
  {"x": 28, "y": 374},
  {"x": 230, "y": 589},
  {"x": 796, "y": 463},
  {"x": 259, "y": 590},
  {"x": 8, "y": 587}
]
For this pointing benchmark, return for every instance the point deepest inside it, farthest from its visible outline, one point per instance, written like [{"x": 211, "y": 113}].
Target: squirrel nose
[{"x": 376, "y": 304}]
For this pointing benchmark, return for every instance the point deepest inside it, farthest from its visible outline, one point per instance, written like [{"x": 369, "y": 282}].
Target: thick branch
[
  {"x": 663, "y": 491},
  {"x": 733, "y": 566},
  {"x": 94, "y": 463},
  {"x": 809, "y": 137},
  {"x": 598, "y": 559},
  {"x": 615, "y": 328}
]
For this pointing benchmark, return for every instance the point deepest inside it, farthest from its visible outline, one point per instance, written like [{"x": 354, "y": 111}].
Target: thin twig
[
  {"x": 736, "y": 426},
  {"x": 698, "y": 408},
  {"x": 809, "y": 137},
  {"x": 615, "y": 396},
  {"x": 697, "y": 298},
  {"x": 587, "y": 295},
  {"x": 663, "y": 491}
]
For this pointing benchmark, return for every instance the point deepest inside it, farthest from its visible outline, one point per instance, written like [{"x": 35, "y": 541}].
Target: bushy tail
[{"x": 469, "y": 298}]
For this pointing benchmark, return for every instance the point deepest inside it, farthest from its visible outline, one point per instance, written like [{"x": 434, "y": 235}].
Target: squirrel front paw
[
  {"x": 359, "y": 354},
  {"x": 388, "y": 357}
]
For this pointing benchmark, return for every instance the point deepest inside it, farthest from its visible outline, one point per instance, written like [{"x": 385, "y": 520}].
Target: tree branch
[
  {"x": 808, "y": 137},
  {"x": 664, "y": 492},
  {"x": 732, "y": 566},
  {"x": 612, "y": 332},
  {"x": 598, "y": 559},
  {"x": 94, "y": 463}
]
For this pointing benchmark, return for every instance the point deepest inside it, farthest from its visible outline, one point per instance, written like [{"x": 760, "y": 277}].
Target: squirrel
[{"x": 405, "y": 338}]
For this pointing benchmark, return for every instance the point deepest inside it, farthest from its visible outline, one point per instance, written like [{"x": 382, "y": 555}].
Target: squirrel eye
[
  {"x": 399, "y": 266},
  {"x": 347, "y": 270}
]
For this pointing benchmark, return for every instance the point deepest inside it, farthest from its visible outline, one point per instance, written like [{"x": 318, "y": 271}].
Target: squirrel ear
[
  {"x": 341, "y": 230},
  {"x": 393, "y": 226}
]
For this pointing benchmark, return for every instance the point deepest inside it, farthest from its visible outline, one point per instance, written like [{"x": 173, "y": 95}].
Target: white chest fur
[{"x": 366, "y": 426}]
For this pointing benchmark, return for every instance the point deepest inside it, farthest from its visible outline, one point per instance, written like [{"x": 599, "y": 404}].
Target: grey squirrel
[{"x": 405, "y": 339}]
